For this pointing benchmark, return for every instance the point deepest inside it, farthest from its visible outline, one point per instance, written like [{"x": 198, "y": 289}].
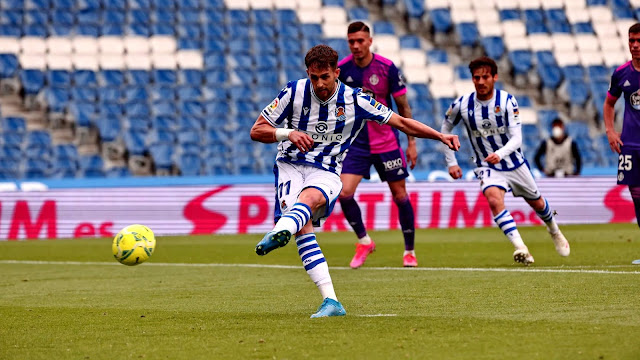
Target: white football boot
[
  {"x": 523, "y": 256},
  {"x": 561, "y": 244}
]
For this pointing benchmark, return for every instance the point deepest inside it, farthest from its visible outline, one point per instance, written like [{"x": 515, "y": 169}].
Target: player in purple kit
[
  {"x": 626, "y": 81},
  {"x": 376, "y": 145}
]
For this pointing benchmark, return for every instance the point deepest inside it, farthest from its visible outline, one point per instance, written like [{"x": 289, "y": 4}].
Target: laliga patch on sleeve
[{"x": 274, "y": 104}]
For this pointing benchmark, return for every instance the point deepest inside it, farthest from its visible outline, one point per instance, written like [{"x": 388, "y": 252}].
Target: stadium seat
[{"x": 189, "y": 164}]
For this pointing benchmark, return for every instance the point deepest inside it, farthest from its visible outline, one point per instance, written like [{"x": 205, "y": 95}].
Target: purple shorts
[
  {"x": 629, "y": 167},
  {"x": 391, "y": 166}
]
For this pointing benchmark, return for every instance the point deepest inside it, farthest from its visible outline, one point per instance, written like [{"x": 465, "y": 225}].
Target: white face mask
[{"x": 557, "y": 132}]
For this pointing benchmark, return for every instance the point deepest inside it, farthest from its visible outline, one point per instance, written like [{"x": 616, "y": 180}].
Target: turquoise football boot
[
  {"x": 329, "y": 307},
  {"x": 273, "y": 240}
]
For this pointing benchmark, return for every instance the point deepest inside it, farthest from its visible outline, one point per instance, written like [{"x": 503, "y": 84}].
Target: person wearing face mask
[{"x": 561, "y": 153}]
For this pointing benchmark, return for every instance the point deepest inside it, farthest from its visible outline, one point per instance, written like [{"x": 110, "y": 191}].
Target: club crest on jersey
[
  {"x": 374, "y": 80},
  {"x": 634, "y": 100},
  {"x": 497, "y": 109},
  {"x": 283, "y": 205},
  {"x": 340, "y": 115}
]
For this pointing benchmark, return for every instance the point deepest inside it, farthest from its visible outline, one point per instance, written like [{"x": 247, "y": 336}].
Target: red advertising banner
[{"x": 239, "y": 209}]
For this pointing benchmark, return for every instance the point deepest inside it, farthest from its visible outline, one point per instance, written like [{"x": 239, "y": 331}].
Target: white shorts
[
  {"x": 291, "y": 179},
  {"x": 519, "y": 181}
]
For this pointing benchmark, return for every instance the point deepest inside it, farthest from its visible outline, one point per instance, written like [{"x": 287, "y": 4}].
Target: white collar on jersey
[{"x": 338, "y": 83}]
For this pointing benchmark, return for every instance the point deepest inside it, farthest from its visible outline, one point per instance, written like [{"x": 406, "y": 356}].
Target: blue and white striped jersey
[
  {"x": 332, "y": 124},
  {"x": 490, "y": 125}
]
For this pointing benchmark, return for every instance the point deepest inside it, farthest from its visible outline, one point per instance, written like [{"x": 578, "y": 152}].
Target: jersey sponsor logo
[
  {"x": 485, "y": 132},
  {"x": 376, "y": 104},
  {"x": 321, "y": 127},
  {"x": 340, "y": 115},
  {"x": 626, "y": 83},
  {"x": 272, "y": 106},
  {"x": 393, "y": 164},
  {"x": 325, "y": 138},
  {"x": 634, "y": 100},
  {"x": 374, "y": 80}
]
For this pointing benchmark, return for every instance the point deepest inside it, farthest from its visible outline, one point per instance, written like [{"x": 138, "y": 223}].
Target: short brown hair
[
  {"x": 482, "y": 62},
  {"x": 321, "y": 56},
  {"x": 356, "y": 26},
  {"x": 634, "y": 29}
]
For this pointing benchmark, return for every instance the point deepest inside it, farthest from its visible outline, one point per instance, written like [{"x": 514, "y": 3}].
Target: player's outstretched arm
[
  {"x": 609, "y": 116},
  {"x": 416, "y": 128},
  {"x": 264, "y": 132}
]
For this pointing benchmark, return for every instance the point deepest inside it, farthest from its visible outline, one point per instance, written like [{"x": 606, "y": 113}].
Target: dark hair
[
  {"x": 557, "y": 121},
  {"x": 321, "y": 56},
  {"x": 358, "y": 26},
  {"x": 634, "y": 29},
  {"x": 482, "y": 62}
]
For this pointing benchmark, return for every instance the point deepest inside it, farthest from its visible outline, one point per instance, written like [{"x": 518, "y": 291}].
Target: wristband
[{"x": 283, "y": 134}]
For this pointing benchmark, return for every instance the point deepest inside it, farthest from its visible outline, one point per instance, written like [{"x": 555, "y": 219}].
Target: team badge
[
  {"x": 374, "y": 80},
  {"x": 620, "y": 176},
  {"x": 634, "y": 100},
  {"x": 283, "y": 205},
  {"x": 340, "y": 115},
  {"x": 497, "y": 109}
]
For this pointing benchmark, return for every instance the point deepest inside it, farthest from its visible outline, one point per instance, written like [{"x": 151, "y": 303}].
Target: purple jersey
[
  {"x": 626, "y": 80},
  {"x": 381, "y": 79}
]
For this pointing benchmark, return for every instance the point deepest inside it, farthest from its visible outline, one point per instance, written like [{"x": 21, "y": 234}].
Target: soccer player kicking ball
[
  {"x": 321, "y": 118},
  {"x": 624, "y": 81},
  {"x": 491, "y": 118}
]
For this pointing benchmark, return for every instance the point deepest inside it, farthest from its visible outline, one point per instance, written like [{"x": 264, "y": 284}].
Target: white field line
[
  {"x": 560, "y": 270},
  {"x": 377, "y": 315}
]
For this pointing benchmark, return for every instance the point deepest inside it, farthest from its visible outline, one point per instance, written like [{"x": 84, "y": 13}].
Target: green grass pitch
[{"x": 211, "y": 297}]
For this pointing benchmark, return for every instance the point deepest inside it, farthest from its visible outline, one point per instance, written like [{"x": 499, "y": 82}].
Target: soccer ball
[{"x": 133, "y": 245}]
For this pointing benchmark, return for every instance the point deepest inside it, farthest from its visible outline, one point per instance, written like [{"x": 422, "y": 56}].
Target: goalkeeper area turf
[{"x": 212, "y": 297}]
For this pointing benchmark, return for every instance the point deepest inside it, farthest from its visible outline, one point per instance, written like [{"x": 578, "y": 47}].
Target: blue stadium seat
[
  {"x": 10, "y": 30},
  {"x": 162, "y": 155},
  {"x": 40, "y": 138},
  {"x": 415, "y": 8},
  {"x": 163, "y": 15},
  {"x": 8, "y": 65},
  {"x": 262, "y": 16},
  {"x": 189, "y": 136},
  {"x": 437, "y": 56},
  {"x": 584, "y": 27},
  {"x": 115, "y": 4},
  {"x": 216, "y": 76},
  {"x": 409, "y": 42},
  {"x": 57, "y": 99},
  {"x": 12, "y": 138},
  {"x": 522, "y": 61},
  {"x": 468, "y": 33},
  {"x": 193, "y": 108},
  {"x": 111, "y": 109},
  {"x": 357, "y": 13},
  {"x": 111, "y": 78},
  {"x": 163, "y": 76},
  {"x": 139, "y": 4},
  {"x": 38, "y": 152},
  {"x": 65, "y": 151},
  {"x": 556, "y": 15},
  {"x": 108, "y": 128},
  {"x": 214, "y": 92},
  {"x": 32, "y": 81},
  {"x": 84, "y": 78},
  {"x": 117, "y": 16},
  {"x": 137, "y": 124},
  {"x": 37, "y": 168},
  {"x": 536, "y": 28},
  {"x": 163, "y": 93},
  {"x": 288, "y": 29},
  {"x": 579, "y": 130},
  {"x": 156, "y": 29},
  {"x": 188, "y": 16},
  {"x": 35, "y": 17},
  {"x": 189, "y": 92},
  {"x": 286, "y": 16},
  {"x": 187, "y": 122},
  {"x": 550, "y": 75},
  {"x": 237, "y": 16},
  {"x": 64, "y": 167},
  {"x": 137, "y": 109},
  {"x": 91, "y": 166},
  {"x": 215, "y": 60},
  {"x": 493, "y": 46},
  {"x": 158, "y": 136},
  {"x": 510, "y": 14},
  {"x": 598, "y": 72},
  {"x": 441, "y": 20},
  {"x": 11, "y": 152},
  {"x": 217, "y": 108},
  {"x": 189, "y": 31},
  {"x": 191, "y": 77},
  {"x": 135, "y": 93},
  {"x": 383, "y": 27},
  {"x": 339, "y": 3},
  {"x": 83, "y": 94},
  {"x": 13, "y": 124},
  {"x": 189, "y": 164},
  {"x": 135, "y": 142},
  {"x": 545, "y": 58},
  {"x": 83, "y": 112},
  {"x": 12, "y": 17},
  {"x": 578, "y": 92},
  {"x": 110, "y": 94},
  {"x": 266, "y": 32},
  {"x": 164, "y": 122},
  {"x": 573, "y": 72}
]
